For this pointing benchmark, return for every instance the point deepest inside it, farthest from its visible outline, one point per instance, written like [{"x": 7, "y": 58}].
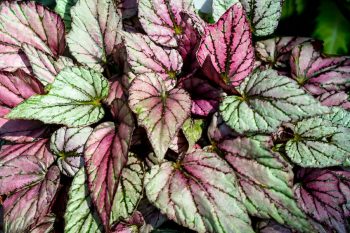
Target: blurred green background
[{"x": 327, "y": 20}]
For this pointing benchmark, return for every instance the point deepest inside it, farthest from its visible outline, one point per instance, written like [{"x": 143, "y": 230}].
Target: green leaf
[
  {"x": 333, "y": 28},
  {"x": 292, "y": 7},
  {"x": 267, "y": 100},
  {"x": 63, "y": 9},
  {"x": 192, "y": 129},
  {"x": 80, "y": 216},
  {"x": 129, "y": 191},
  {"x": 318, "y": 143},
  {"x": 220, "y": 7},
  {"x": 74, "y": 99},
  {"x": 266, "y": 179},
  {"x": 264, "y": 15},
  {"x": 339, "y": 116}
]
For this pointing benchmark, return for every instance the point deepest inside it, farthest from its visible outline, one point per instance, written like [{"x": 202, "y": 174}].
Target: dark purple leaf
[
  {"x": 205, "y": 97},
  {"x": 218, "y": 130},
  {"x": 153, "y": 217},
  {"x": 324, "y": 195}
]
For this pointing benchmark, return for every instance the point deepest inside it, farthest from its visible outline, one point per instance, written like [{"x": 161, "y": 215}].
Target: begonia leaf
[
  {"x": 228, "y": 43},
  {"x": 161, "y": 19},
  {"x": 25, "y": 164},
  {"x": 159, "y": 110},
  {"x": 31, "y": 23},
  {"x": 318, "y": 143},
  {"x": 73, "y": 100},
  {"x": 318, "y": 73},
  {"x": 45, "y": 67},
  {"x": 324, "y": 195},
  {"x": 106, "y": 154},
  {"x": 145, "y": 57},
  {"x": 67, "y": 144},
  {"x": 266, "y": 179},
  {"x": 80, "y": 216},
  {"x": 267, "y": 100},
  {"x": 100, "y": 19},
  {"x": 199, "y": 192}
]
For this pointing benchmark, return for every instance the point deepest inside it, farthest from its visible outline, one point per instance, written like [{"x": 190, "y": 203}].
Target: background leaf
[{"x": 333, "y": 28}]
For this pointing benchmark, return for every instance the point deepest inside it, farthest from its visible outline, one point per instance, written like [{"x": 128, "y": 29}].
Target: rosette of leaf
[{"x": 67, "y": 144}]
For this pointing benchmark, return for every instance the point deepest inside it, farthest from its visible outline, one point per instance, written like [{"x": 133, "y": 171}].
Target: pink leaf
[
  {"x": 12, "y": 59},
  {"x": 23, "y": 163},
  {"x": 16, "y": 87},
  {"x": 161, "y": 19},
  {"x": 115, "y": 92},
  {"x": 145, "y": 57},
  {"x": 30, "y": 205},
  {"x": 45, "y": 225},
  {"x": 159, "y": 110},
  {"x": 200, "y": 183},
  {"x": 335, "y": 98},
  {"x": 45, "y": 67},
  {"x": 318, "y": 73},
  {"x": 20, "y": 131},
  {"x": 31, "y": 23},
  {"x": 228, "y": 43},
  {"x": 106, "y": 154},
  {"x": 276, "y": 51}
]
